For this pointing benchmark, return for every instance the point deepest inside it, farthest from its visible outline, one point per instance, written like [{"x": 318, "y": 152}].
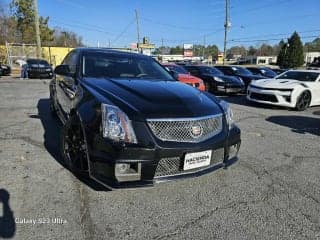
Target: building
[
  {"x": 310, "y": 56},
  {"x": 258, "y": 60}
]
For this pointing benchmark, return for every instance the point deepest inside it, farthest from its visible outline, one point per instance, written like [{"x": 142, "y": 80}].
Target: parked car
[
  {"x": 36, "y": 68},
  {"x": 185, "y": 77},
  {"x": 241, "y": 72},
  {"x": 128, "y": 122},
  {"x": 215, "y": 80},
  {"x": 262, "y": 71},
  {"x": 5, "y": 69},
  {"x": 297, "y": 89}
]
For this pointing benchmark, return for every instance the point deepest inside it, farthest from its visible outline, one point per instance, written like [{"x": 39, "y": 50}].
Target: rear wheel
[
  {"x": 74, "y": 147},
  {"x": 303, "y": 101}
]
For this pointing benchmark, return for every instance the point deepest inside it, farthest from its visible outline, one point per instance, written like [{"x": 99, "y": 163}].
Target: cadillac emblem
[{"x": 196, "y": 131}]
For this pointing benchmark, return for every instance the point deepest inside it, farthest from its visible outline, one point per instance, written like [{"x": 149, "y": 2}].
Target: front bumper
[
  {"x": 40, "y": 74},
  {"x": 271, "y": 97},
  {"x": 104, "y": 157}
]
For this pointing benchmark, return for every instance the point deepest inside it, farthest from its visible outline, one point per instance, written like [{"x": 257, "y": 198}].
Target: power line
[
  {"x": 271, "y": 39},
  {"x": 172, "y": 25},
  {"x": 124, "y": 30},
  {"x": 273, "y": 34}
]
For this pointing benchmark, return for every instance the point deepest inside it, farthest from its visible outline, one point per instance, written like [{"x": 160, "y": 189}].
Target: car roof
[
  {"x": 304, "y": 70},
  {"x": 110, "y": 51}
]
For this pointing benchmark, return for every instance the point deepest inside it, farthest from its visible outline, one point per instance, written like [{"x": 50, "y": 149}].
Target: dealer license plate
[{"x": 197, "y": 160}]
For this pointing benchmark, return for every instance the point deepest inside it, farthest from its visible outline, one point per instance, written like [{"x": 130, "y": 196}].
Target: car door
[
  {"x": 67, "y": 86},
  {"x": 315, "y": 89}
]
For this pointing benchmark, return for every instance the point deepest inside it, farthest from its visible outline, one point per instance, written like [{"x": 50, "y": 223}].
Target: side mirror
[{"x": 63, "y": 70}]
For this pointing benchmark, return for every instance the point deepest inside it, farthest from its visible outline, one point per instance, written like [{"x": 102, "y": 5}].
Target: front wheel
[
  {"x": 303, "y": 101},
  {"x": 74, "y": 147}
]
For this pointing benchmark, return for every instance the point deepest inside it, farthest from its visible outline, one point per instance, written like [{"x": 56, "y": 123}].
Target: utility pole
[
  {"x": 36, "y": 20},
  {"x": 226, "y": 27},
  {"x": 204, "y": 46},
  {"x": 138, "y": 29}
]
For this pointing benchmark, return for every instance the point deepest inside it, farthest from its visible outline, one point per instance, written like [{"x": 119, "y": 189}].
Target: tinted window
[
  {"x": 177, "y": 69},
  {"x": 120, "y": 66},
  {"x": 300, "y": 76},
  {"x": 240, "y": 70},
  {"x": 72, "y": 61},
  {"x": 211, "y": 70},
  {"x": 37, "y": 61}
]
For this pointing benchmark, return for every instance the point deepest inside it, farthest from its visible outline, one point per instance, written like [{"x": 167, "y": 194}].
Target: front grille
[
  {"x": 273, "y": 89},
  {"x": 39, "y": 70},
  {"x": 263, "y": 97},
  {"x": 174, "y": 165},
  {"x": 193, "y": 130}
]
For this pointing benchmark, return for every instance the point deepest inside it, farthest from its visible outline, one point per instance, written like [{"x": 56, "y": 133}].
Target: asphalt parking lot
[{"x": 272, "y": 192}]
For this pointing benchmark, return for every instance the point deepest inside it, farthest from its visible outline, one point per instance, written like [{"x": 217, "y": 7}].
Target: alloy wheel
[{"x": 303, "y": 101}]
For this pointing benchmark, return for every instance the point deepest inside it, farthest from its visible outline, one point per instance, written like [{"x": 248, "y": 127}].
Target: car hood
[
  {"x": 39, "y": 66},
  {"x": 143, "y": 99},
  {"x": 277, "y": 83},
  {"x": 228, "y": 79}
]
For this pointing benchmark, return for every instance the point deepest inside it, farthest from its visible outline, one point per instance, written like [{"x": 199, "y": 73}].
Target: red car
[{"x": 185, "y": 77}]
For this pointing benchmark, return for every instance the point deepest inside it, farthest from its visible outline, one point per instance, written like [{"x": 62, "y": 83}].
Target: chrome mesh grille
[
  {"x": 174, "y": 165},
  {"x": 181, "y": 130}
]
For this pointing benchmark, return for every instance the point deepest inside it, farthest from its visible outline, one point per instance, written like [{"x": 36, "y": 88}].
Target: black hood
[
  {"x": 142, "y": 99},
  {"x": 227, "y": 79}
]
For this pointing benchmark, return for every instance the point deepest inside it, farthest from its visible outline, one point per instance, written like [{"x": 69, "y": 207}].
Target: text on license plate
[{"x": 196, "y": 160}]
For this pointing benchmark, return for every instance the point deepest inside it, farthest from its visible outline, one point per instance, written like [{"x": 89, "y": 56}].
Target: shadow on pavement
[
  {"x": 298, "y": 124},
  {"x": 7, "y": 221},
  {"x": 52, "y": 128},
  {"x": 242, "y": 100}
]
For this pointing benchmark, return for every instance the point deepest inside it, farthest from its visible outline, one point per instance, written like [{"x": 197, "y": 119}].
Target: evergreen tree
[
  {"x": 281, "y": 55},
  {"x": 294, "y": 52},
  {"x": 23, "y": 12}
]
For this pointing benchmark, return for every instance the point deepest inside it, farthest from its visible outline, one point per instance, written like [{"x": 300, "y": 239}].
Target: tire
[
  {"x": 303, "y": 101},
  {"x": 74, "y": 147}
]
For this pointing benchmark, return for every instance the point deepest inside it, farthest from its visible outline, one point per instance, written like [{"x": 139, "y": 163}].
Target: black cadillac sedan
[
  {"x": 36, "y": 68},
  {"x": 127, "y": 122},
  {"x": 215, "y": 80}
]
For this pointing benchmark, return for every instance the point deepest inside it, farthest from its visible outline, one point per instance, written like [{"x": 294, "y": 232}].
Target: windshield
[
  {"x": 299, "y": 75},
  {"x": 177, "y": 69},
  {"x": 211, "y": 70},
  {"x": 268, "y": 72},
  {"x": 242, "y": 71},
  {"x": 37, "y": 61},
  {"x": 122, "y": 66}
]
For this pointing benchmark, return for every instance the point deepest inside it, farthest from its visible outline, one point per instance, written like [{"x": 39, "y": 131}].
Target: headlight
[
  {"x": 218, "y": 79},
  {"x": 116, "y": 125},
  {"x": 228, "y": 113}
]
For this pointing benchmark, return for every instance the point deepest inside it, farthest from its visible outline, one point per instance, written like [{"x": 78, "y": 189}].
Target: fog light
[
  {"x": 122, "y": 168},
  {"x": 127, "y": 172},
  {"x": 233, "y": 150}
]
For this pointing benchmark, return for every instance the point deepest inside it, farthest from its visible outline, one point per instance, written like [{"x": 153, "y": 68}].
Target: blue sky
[{"x": 189, "y": 21}]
